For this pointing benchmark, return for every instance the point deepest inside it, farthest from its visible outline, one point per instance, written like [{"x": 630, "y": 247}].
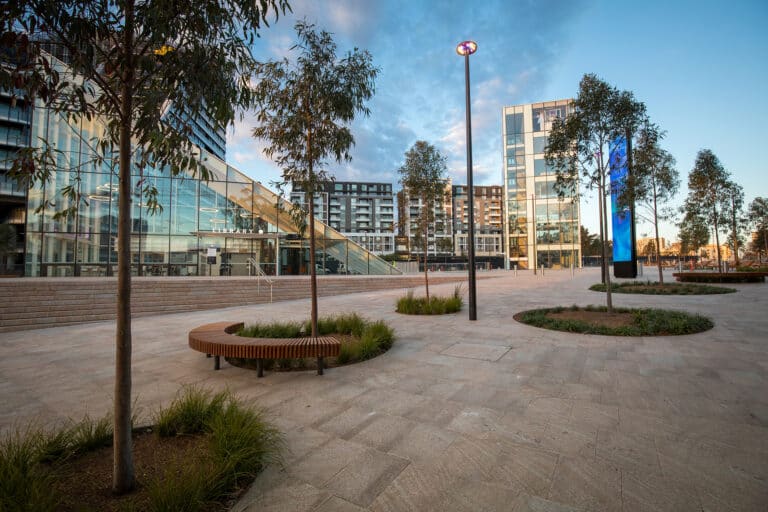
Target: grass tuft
[
  {"x": 190, "y": 411},
  {"x": 242, "y": 443},
  {"x": 25, "y": 483},
  {"x": 410, "y": 305},
  {"x": 274, "y": 330}
]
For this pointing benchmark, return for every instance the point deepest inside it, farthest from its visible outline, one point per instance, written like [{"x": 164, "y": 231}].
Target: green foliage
[
  {"x": 351, "y": 323},
  {"x": 381, "y": 332},
  {"x": 25, "y": 484},
  {"x": 646, "y": 322},
  {"x": 578, "y": 147},
  {"x": 651, "y": 288},
  {"x": 274, "y": 330},
  {"x": 186, "y": 486},
  {"x": 190, "y": 411},
  {"x": 305, "y": 109},
  {"x": 423, "y": 178},
  {"x": 709, "y": 195},
  {"x": 122, "y": 69},
  {"x": 242, "y": 443},
  {"x": 758, "y": 218},
  {"x": 90, "y": 434},
  {"x": 367, "y": 348},
  {"x": 410, "y": 305},
  {"x": 371, "y": 338},
  {"x": 347, "y": 353}
]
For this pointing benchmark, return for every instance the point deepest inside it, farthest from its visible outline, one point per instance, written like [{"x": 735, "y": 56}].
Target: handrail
[{"x": 260, "y": 274}]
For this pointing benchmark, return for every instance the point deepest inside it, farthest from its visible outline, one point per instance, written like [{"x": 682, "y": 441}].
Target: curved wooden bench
[{"x": 217, "y": 340}]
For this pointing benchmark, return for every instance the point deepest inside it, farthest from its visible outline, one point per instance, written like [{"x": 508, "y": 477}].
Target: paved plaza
[{"x": 463, "y": 416}]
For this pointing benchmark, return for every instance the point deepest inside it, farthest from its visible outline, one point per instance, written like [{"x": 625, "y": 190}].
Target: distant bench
[{"x": 218, "y": 339}]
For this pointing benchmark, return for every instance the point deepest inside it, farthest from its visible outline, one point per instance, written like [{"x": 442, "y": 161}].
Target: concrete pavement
[{"x": 489, "y": 415}]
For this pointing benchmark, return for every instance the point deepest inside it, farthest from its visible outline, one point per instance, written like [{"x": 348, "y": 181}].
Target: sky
[{"x": 701, "y": 68}]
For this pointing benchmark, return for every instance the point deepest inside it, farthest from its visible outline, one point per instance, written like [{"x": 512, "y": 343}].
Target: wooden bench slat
[{"x": 218, "y": 339}]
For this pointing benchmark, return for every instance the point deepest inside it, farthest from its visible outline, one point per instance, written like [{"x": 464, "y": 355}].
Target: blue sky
[{"x": 700, "y": 67}]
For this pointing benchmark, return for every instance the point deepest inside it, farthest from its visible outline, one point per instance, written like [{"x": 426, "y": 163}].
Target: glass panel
[
  {"x": 184, "y": 206},
  {"x": 539, "y": 143}
]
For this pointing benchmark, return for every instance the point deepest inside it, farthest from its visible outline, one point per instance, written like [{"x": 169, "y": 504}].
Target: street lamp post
[{"x": 467, "y": 48}]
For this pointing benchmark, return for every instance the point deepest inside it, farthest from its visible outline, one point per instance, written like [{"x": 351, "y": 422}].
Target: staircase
[{"x": 35, "y": 303}]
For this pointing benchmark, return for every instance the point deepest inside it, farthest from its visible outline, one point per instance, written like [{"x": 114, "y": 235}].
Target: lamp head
[{"x": 466, "y": 48}]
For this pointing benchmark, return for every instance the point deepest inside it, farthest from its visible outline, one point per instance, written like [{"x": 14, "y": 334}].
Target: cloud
[{"x": 420, "y": 87}]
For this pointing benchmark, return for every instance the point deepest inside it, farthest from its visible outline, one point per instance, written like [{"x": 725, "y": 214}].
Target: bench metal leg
[
  {"x": 217, "y": 362},
  {"x": 259, "y": 368},
  {"x": 319, "y": 365}
]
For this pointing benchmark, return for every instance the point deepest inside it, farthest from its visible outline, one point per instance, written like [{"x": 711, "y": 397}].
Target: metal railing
[{"x": 253, "y": 266}]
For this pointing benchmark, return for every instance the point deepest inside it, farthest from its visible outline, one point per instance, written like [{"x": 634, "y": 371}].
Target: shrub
[
  {"x": 347, "y": 353},
  {"x": 350, "y": 324},
  {"x": 25, "y": 484},
  {"x": 410, "y": 305},
  {"x": 382, "y": 333},
  {"x": 242, "y": 443},
  {"x": 273, "y": 330},
  {"x": 190, "y": 411},
  {"x": 186, "y": 486},
  {"x": 90, "y": 434}
]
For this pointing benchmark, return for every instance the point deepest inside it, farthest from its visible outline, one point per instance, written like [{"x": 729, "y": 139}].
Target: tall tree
[
  {"x": 758, "y": 217},
  {"x": 578, "y": 146},
  {"x": 306, "y": 107},
  {"x": 124, "y": 63},
  {"x": 709, "y": 194},
  {"x": 694, "y": 232},
  {"x": 734, "y": 212},
  {"x": 653, "y": 182},
  {"x": 423, "y": 177}
]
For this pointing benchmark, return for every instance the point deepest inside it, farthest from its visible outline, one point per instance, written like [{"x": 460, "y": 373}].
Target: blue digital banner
[{"x": 621, "y": 217}]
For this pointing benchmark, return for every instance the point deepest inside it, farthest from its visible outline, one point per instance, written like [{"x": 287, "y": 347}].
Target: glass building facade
[
  {"x": 542, "y": 230},
  {"x": 229, "y": 225}
]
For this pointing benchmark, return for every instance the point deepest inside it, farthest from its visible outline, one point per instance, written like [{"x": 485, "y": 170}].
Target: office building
[
  {"x": 542, "y": 230},
  {"x": 228, "y": 225},
  {"x": 363, "y": 212}
]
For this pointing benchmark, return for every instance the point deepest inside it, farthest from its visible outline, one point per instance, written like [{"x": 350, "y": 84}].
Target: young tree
[
  {"x": 734, "y": 212},
  {"x": 306, "y": 107},
  {"x": 653, "y": 182},
  {"x": 423, "y": 176},
  {"x": 758, "y": 217},
  {"x": 124, "y": 63},
  {"x": 578, "y": 146},
  {"x": 709, "y": 194},
  {"x": 590, "y": 243}
]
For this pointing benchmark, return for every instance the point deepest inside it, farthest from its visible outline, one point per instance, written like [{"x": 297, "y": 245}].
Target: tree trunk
[
  {"x": 123, "y": 478},
  {"x": 425, "y": 234},
  {"x": 717, "y": 246},
  {"x": 602, "y": 239},
  {"x": 735, "y": 234},
  {"x": 604, "y": 234},
  {"x": 312, "y": 269},
  {"x": 658, "y": 240},
  {"x": 310, "y": 193}
]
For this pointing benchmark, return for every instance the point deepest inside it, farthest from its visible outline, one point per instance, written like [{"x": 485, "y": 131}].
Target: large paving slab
[{"x": 460, "y": 415}]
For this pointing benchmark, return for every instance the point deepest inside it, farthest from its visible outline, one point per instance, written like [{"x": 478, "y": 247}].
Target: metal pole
[{"x": 471, "y": 193}]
